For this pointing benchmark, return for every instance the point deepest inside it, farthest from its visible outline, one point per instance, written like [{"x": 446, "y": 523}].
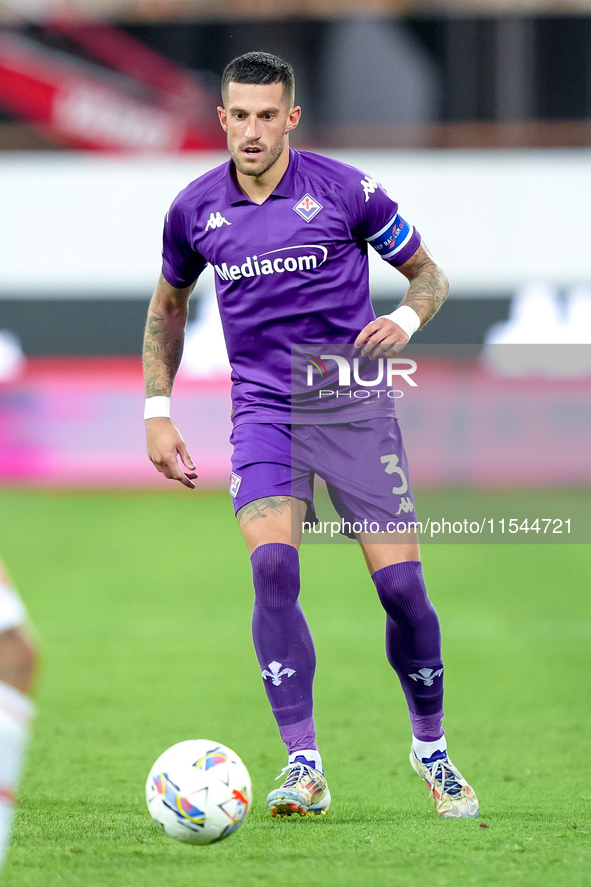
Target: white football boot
[
  {"x": 305, "y": 792},
  {"x": 452, "y": 795}
]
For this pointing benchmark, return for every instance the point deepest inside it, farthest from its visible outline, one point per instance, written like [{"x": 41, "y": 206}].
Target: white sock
[
  {"x": 310, "y": 754},
  {"x": 424, "y": 750},
  {"x": 16, "y": 711}
]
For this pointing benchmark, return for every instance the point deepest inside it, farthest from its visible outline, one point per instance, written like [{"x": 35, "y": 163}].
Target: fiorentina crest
[
  {"x": 235, "y": 481},
  {"x": 308, "y": 207}
]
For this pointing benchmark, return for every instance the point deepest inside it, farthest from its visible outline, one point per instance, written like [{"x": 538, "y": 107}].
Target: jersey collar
[{"x": 285, "y": 188}]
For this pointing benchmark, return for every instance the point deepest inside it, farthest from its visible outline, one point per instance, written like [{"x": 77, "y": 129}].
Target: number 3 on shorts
[{"x": 392, "y": 467}]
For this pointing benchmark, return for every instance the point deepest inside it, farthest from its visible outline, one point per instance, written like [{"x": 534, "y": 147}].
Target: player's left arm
[{"x": 426, "y": 294}]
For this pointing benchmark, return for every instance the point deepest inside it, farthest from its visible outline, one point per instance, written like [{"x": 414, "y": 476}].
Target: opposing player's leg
[
  {"x": 17, "y": 665},
  {"x": 271, "y": 525}
]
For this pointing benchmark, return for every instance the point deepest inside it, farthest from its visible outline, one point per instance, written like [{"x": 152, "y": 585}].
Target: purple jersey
[{"x": 292, "y": 270}]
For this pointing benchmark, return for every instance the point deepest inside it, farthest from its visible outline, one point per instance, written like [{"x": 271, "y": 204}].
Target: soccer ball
[{"x": 198, "y": 791}]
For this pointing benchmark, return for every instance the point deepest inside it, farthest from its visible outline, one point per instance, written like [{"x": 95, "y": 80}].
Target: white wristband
[
  {"x": 406, "y": 318},
  {"x": 156, "y": 407}
]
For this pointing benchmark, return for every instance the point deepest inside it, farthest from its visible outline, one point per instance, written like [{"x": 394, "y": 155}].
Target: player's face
[{"x": 256, "y": 119}]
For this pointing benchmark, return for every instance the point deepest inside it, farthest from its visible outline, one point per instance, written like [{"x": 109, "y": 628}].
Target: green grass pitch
[{"x": 142, "y": 602}]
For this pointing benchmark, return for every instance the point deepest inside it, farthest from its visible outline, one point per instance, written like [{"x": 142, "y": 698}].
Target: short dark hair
[{"x": 259, "y": 68}]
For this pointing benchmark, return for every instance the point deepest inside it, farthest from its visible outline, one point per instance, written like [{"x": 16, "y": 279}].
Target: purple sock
[
  {"x": 413, "y": 644},
  {"x": 427, "y": 727},
  {"x": 283, "y": 642},
  {"x": 298, "y": 736}
]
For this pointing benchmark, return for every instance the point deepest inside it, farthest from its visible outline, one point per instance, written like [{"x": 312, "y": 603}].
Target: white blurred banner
[{"x": 75, "y": 225}]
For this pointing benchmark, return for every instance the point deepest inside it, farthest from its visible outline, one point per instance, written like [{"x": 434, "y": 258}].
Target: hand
[
  {"x": 381, "y": 338},
  {"x": 165, "y": 445}
]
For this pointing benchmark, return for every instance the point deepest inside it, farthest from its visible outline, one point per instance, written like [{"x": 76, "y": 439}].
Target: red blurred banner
[{"x": 147, "y": 105}]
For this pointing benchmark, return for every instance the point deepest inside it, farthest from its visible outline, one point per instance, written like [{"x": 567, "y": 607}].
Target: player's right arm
[{"x": 163, "y": 348}]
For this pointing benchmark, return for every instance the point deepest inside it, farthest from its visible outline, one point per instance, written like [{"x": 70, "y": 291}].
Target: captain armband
[{"x": 392, "y": 238}]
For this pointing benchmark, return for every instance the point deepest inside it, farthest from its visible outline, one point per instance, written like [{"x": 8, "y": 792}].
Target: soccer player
[
  {"x": 17, "y": 666},
  {"x": 287, "y": 233}
]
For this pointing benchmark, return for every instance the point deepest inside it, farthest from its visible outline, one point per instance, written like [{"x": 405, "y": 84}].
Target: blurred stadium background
[{"x": 475, "y": 114}]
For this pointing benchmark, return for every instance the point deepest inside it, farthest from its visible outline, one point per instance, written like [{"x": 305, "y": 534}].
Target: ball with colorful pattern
[{"x": 198, "y": 791}]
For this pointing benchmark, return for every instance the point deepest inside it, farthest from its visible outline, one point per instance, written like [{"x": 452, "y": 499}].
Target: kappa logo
[
  {"x": 307, "y": 208},
  {"x": 369, "y": 186},
  {"x": 235, "y": 481},
  {"x": 427, "y": 676},
  {"x": 406, "y": 505},
  {"x": 276, "y": 672},
  {"x": 216, "y": 220}
]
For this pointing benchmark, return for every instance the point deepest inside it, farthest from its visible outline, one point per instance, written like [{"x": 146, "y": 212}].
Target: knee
[
  {"x": 402, "y": 591},
  {"x": 276, "y": 575},
  {"x": 18, "y": 659}
]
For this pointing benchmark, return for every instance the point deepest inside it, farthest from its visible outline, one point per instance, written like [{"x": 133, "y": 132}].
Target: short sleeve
[
  {"x": 382, "y": 226},
  {"x": 181, "y": 264}
]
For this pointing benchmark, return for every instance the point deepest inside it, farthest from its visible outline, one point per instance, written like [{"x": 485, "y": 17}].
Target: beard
[{"x": 261, "y": 163}]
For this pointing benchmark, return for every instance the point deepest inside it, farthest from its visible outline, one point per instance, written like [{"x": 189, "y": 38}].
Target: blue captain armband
[{"x": 392, "y": 238}]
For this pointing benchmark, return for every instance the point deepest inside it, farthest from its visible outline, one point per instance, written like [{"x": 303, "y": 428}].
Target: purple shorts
[{"x": 363, "y": 464}]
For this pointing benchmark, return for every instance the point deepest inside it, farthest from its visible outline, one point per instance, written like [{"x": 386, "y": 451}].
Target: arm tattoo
[
  {"x": 260, "y": 509},
  {"x": 427, "y": 291},
  {"x": 163, "y": 350}
]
